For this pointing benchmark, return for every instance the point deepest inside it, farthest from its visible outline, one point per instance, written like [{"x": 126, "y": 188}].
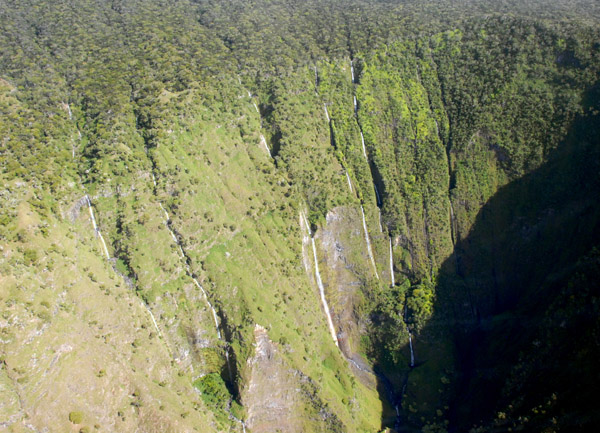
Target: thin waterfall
[
  {"x": 152, "y": 317},
  {"x": 349, "y": 183},
  {"x": 412, "y": 353},
  {"x": 320, "y": 285},
  {"x": 377, "y": 196},
  {"x": 326, "y": 112},
  {"x": 69, "y": 111},
  {"x": 264, "y": 143},
  {"x": 96, "y": 229},
  {"x": 352, "y": 70},
  {"x": 362, "y": 140},
  {"x": 176, "y": 240},
  {"x": 322, "y": 293},
  {"x": 392, "y": 264},
  {"x": 369, "y": 251},
  {"x": 214, "y": 313},
  {"x": 355, "y": 105},
  {"x": 256, "y": 107},
  {"x": 205, "y": 295},
  {"x": 380, "y": 224}
]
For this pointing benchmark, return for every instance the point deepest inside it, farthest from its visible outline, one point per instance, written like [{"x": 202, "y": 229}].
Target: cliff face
[{"x": 360, "y": 239}]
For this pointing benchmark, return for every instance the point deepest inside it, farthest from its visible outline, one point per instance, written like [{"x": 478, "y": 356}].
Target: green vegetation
[
  {"x": 480, "y": 126},
  {"x": 76, "y": 417}
]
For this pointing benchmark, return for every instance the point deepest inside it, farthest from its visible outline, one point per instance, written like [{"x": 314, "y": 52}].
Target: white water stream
[
  {"x": 264, "y": 143},
  {"x": 326, "y": 112},
  {"x": 412, "y": 353},
  {"x": 380, "y": 224},
  {"x": 210, "y": 306},
  {"x": 320, "y": 284},
  {"x": 322, "y": 293},
  {"x": 349, "y": 183},
  {"x": 96, "y": 229},
  {"x": 392, "y": 264},
  {"x": 362, "y": 140},
  {"x": 352, "y": 70},
  {"x": 152, "y": 317},
  {"x": 355, "y": 105},
  {"x": 369, "y": 250},
  {"x": 377, "y": 196}
]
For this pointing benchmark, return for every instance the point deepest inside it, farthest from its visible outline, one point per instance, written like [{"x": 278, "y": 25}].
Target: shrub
[{"x": 76, "y": 417}]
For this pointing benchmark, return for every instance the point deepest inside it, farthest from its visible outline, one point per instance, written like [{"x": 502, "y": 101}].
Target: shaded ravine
[{"x": 392, "y": 396}]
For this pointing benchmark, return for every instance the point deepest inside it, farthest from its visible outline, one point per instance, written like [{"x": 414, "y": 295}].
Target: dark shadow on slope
[{"x": 496, "y": 293}]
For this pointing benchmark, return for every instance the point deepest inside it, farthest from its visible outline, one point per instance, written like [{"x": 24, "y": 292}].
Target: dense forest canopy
[{"x": 206, "y": 192}]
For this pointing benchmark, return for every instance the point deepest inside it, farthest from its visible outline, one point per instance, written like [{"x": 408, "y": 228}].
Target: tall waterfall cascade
[
  {"x": 96, "y": 229},
  {"x": 320, "y": 284},
  {"x": 369, "y": 250}
]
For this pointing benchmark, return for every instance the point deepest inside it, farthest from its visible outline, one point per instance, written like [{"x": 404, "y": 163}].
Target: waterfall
[
  {"x": 369, "y": 251},
  {"x": 392, "y": 264},
  {"x": 96, "y": 229},
  {"x": 320, "y": 285},
  {"x": 264, "y": 143},
  {"x": 167, "y": 221},
  {"x": 349, "y": 183},
  {"x": 152, "y": 317},
  {"x": 412, "y": 353},
  {"x": 236, "y": 419},
  {"x": 322, "y": 293},
  {"x": 355, "y": 105},
  {"x": 352, "y": 71},
  {"x": 69, "y": 111},
  {"x": 183, "y": 256},
  {"x": 256, "y": 107},
  {"x": 362, "y": 140},
  {"x": 377, "y": 196},
  {"x": 380, "y": 224},
  {"x": 326, "y": 112},
  {"x": 153, "y": 179}
]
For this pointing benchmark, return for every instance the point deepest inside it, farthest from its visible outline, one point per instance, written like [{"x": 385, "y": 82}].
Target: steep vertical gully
[
  {"x": 394, "y": 398},
  {"x": 98, "y": 234}
]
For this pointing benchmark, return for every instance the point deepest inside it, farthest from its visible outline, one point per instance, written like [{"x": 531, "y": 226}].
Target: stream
[
  {"x": 96, "y": 229},
  {"x": 369, "y": 250},
  {"x": 320, "y": 285}
]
